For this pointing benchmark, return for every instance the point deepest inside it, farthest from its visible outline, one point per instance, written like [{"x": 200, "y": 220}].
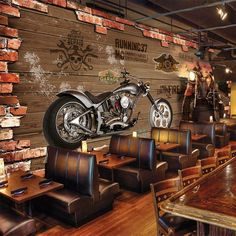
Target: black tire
[
  {"x": 51, "y": 130},
  {"x": 168, "y": 112}
]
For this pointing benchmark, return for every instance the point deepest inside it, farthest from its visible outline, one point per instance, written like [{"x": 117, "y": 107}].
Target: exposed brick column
[{"x": 14, "y": 152}]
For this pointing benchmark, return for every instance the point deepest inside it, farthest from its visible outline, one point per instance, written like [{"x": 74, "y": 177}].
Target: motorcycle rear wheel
[
  {"x": 56, "y": 123},
  {"x": 163, "y": 117}
]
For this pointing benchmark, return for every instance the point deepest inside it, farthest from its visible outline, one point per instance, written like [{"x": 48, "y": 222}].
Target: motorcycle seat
[{"x": 99, "y": 98}]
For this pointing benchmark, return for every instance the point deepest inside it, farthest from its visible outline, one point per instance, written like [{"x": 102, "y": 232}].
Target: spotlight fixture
[
  {"x": 200, "y": 53},
  {"x": 222, "y": 12},
  {"x": 228, "y": 70}
]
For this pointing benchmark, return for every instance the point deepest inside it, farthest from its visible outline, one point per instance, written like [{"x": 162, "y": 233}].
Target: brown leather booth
[
  {"x": 137, "y": 176},
  {"x": 206, "y": 145},
  {"x": 222, "y": 135},
  {"x": 84, "y": 195},
  {"x": 181, "y": 157},
  {"x": 231, "y": 126},
  {"x": 14, "y": 224}
]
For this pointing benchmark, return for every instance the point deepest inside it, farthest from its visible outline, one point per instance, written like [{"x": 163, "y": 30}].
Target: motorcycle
[
  {"x": 201, "y": 92},
  {"x": 77, "y": 115}
]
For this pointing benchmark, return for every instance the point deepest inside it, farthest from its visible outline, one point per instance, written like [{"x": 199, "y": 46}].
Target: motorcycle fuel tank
[{"x": 134, "y": 89}]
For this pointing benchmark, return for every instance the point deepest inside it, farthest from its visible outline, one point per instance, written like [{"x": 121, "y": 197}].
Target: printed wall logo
[
  {"x": 109, "y": 76},
  {"x": 170, "y": 90},
  {"x": 166, "y": 63},
  {"x": 73, "y": 54},
  {"x": 130, "y": 51}
]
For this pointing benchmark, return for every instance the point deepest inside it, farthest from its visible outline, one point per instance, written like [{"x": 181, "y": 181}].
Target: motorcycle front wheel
[
  {"x": 57, "y": 128},
  {"x": 163, "y": 115}
]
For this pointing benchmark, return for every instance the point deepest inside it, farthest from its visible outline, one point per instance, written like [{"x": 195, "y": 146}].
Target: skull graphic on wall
[
  {"x": 75, "y": 58},
  {"x": 71, "y": 52}
]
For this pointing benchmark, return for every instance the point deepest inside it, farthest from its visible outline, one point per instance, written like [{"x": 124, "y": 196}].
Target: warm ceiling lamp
[{"x": 222, "y": 12}]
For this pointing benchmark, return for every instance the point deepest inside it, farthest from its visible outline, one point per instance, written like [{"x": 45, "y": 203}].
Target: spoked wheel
[
  {"x": 163, "y": 115},
  {"x": 57, "y": 126}
]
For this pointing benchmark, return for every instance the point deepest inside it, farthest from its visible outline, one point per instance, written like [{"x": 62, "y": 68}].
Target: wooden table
[
  {"x": 196, "y": 137},
  {"x": 33, "y": 189},
  {"x": 112, "y": 161},
  {"x": 166, "y": 146},
  {"x": 211, "y": 199}
]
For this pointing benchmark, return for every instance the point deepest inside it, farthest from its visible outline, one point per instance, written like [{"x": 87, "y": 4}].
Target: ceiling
[
  {"x": 196, "y": 19},
  {"x": 203, "y": 18},
  {"x": 196, "y": 15}
]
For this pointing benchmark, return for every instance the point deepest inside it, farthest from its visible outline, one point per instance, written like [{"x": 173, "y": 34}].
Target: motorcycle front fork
[{"x": 153, "y": 103}]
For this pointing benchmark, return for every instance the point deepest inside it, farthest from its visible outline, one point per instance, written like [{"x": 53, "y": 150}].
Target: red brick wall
[{"x": 14, "y": 152}]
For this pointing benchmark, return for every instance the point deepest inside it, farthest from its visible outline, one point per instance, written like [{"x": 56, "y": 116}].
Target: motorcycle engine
[{"x": 119, "y": 106}]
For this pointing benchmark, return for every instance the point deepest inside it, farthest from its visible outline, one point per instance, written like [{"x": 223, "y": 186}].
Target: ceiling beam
[
  {"x": 208, "y": 29},
  {"x": 228, "y": 49},
  {"x": 214, "y": 4},
  {"x": 134, "y": 9}
]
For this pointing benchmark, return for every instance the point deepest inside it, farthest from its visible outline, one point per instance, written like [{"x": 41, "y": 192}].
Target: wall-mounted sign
[
  {"x": 186, "y": 57},
  {"x": 130, "y": 51},
  {"x": 169, "y": 90},
  {"x": 166, "y": 63},
  {"x": 109, "y": 76},
  {"x": 73, "y": 54}
]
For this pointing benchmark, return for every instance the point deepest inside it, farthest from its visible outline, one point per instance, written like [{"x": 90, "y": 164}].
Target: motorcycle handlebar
[
  {"x": 124, "y": 73},
  {"x": 126, "y": 81},
  {"x": 127, "y": 77}
]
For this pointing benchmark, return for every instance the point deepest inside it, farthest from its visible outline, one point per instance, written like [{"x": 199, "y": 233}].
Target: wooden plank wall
[{"x": 42, "y": 79}]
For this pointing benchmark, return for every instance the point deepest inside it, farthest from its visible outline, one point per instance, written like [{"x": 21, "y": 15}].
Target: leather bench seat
[
  {"x": 181, "y": 163},
  {"x": 206, "y": 150},
  {"x": 130, "y": 177},
  {"x": 106, "y": 188},
  {"x": 84, "y": 195},
  {"x": 14, "y": 224},
  {"x": 231, "y": 127},
  {"x": 138, "y": 175},
  {"x": 206, "y": 145},
  {"x": 232, "y": 134},
  {"x": 178, "y": 158},
  {"x": 222, "y": 135},
  {"x": 67, "y": 201}
]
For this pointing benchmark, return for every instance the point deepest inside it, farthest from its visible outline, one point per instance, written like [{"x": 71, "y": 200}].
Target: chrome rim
[
  {"x": 69, "y": 132},
  {"x": 162, "y": 117}
]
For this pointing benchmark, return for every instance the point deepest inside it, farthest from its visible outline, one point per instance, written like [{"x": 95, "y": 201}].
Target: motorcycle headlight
[
  {"x": 192, "y": 76},
  {"x": 124, "y": 102}
]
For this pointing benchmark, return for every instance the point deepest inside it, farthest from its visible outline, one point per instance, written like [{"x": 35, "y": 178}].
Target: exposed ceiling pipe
[
  {"x": 208, "y": 29},
  {"x": 184, "y": 10},
  {"x": 228, "y": 49}
]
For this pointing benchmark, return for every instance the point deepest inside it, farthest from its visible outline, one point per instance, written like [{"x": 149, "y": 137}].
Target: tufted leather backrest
[
  {"x": 142, "y": 149},
  {"x": 182, "y": 137},
  {"x": 77, "y": 171},
  {"x": 200, "y": 128}
]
